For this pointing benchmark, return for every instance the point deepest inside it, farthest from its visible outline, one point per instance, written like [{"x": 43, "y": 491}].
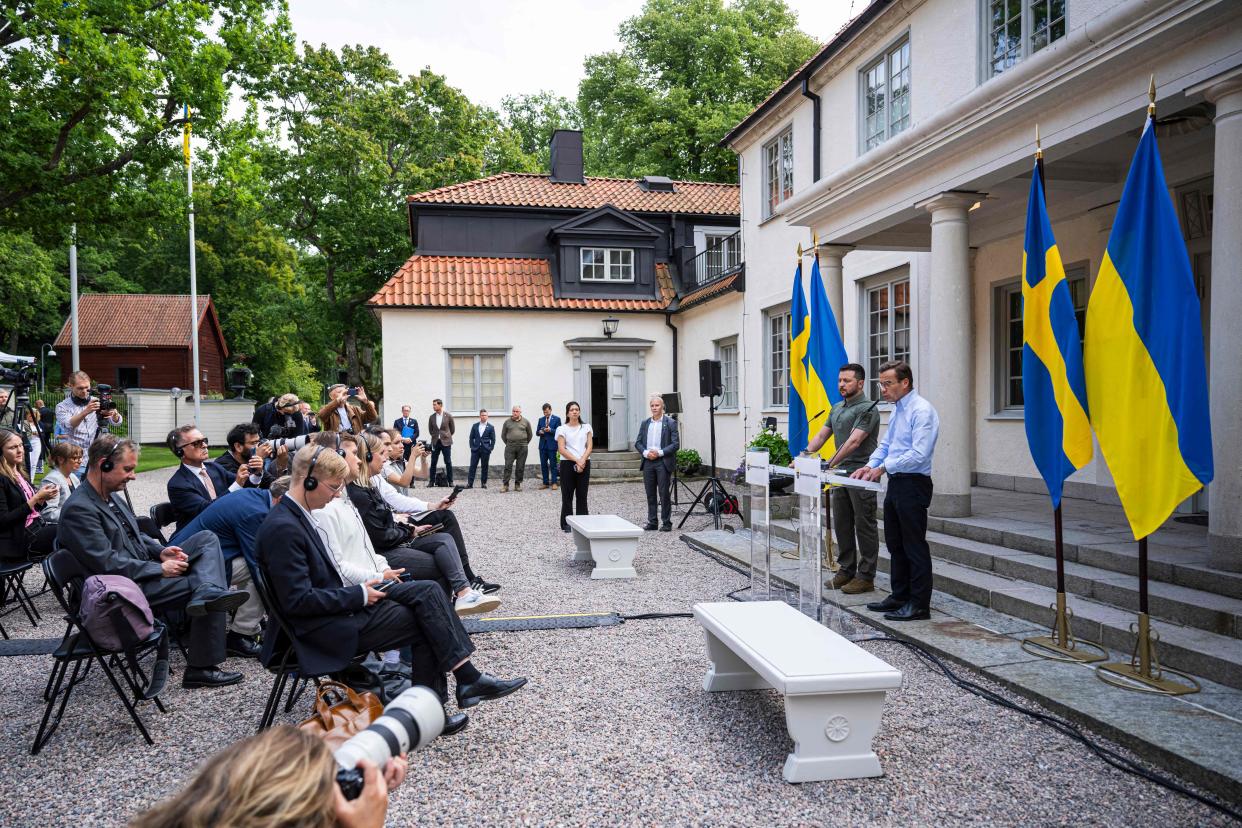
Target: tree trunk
[{"x": 351, "y": 354}]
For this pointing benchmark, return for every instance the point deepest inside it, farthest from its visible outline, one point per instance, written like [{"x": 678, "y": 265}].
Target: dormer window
[{"x": 607, "y": 264}]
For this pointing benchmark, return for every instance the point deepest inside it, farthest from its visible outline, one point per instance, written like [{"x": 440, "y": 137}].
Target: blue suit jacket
[
  {"x": 235, "y": 519},
  {"x": 483, "y": 440},
  {"x": 401, "y": 422},
  {"x": 547, "y": 441},
  {"x": 189, "y": 496},
  {"x": 669, "y": 443}
]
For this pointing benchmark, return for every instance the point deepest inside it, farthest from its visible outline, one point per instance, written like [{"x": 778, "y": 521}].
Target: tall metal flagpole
[
  {"x": 189, "y": 185},
  {"x": 73, "y": 292}
]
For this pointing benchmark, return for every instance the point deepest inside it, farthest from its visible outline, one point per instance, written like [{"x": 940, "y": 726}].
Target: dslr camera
[
  {"x": 410, "y": 722},
  {"x": 276, "y": 438},
  {"x": 104, "y": 393}
]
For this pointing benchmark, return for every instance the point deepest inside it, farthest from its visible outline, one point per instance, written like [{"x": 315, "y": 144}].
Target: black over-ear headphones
[
  {"x": 173, "y": 445},
  {"x": 107, "y": 465},
  {"x": 310, "y": 483}
]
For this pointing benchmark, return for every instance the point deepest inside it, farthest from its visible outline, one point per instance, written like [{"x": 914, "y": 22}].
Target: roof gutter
[{"x": 816, "y": 113}]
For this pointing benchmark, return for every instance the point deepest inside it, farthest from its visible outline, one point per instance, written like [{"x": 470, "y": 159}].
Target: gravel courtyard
[{"x": 613, "y": 729}]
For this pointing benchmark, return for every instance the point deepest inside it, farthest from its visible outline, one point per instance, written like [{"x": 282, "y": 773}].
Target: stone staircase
[
  {"x": 1008, "y": 565},
  {"x": 615, "y": 467}
]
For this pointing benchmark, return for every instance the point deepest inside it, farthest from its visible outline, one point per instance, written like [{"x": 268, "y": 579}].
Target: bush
[
  {"x": 775, "y": 444},
  {"x": 688, "y": 459}
]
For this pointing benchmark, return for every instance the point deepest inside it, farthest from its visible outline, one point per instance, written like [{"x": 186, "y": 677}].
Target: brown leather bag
[{"x": 341, "y": 713}]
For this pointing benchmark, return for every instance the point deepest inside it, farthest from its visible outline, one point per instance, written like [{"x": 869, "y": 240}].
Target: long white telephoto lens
[{"x": 410, "y": 722}]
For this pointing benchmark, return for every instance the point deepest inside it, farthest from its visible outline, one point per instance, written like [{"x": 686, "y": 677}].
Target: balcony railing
[{"x": 723, "y": 257}]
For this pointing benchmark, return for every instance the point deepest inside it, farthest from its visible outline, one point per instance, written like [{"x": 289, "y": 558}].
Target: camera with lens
[
  {"x": 410, "y": 722},
  {"x": 276, "y": 438},
  {"x": 104, "y": 393},
  {"x": 22, "y": 375}
]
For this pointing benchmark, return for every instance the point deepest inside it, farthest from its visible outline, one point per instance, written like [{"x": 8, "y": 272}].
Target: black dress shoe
[
  {"x": 565, "y": 529},
  {"x": 651, "y": 526},
  {"x": 208, "y": 677},
  {"x": 668, "y": 527},
  {"x": 242, "y": 646},
  {"x": 216, "y": 600},
  {"x": 454, "y": 723},
  {"x": 488, "y": 687},
  {"x": 469, "y": 485},
  {"x": 910, "y": 612},
  {"x": 887, "y": 605},
  {"x": 485, "y": 587}
]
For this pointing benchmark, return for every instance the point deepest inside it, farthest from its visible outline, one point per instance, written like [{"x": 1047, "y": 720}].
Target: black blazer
[
  {"x": 402, "y": 422},
  {"x": 382, "y": 528},
  {"x": 13, "y": 514},
  {"x": 229, "y": 463},
  {"x": 189, "y": 496},
  {"x": 324, "y": 614},
  {"x": 669, "y": 443}
]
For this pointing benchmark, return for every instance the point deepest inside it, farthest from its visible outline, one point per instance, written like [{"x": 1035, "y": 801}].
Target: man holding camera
[
  {"x": 246, "y": 449},
  {"x": 81, "y": 415},
  {"x": 347, "y": 409}
]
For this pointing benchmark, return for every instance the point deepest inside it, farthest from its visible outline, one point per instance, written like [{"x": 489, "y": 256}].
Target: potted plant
[
  {"x": 688, "y": 462},
  {"x": 779, "y": 486}
]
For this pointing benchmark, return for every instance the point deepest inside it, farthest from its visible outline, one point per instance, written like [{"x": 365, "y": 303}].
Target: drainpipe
[
  {"x": 668, "y": 321},
  {"x": 815, "y": 126}
]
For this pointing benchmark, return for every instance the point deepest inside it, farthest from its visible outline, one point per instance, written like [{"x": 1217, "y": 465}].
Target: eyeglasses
[
  {"x": 334, "y": 489},
  {"x": 200, "y": 443}
]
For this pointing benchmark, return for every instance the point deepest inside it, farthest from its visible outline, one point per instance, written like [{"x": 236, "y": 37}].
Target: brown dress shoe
[
  {"x": 505, "y": 488},
  {"x": 555, "y": 487},
  {"x": 857, "y": 586},
  {"x": 839, "y": 580}
]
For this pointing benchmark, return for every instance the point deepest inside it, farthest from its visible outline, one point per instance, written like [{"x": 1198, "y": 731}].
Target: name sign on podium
[
  {"x": 757, "y": 468},
  {"x": 806, "y": 476}
]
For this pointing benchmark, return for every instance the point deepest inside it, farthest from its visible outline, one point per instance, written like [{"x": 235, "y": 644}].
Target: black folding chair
[
  {"x": 13, "y": 590},
  {"x": 78, "y": 650},
  {"x": 159, "y": 516}
]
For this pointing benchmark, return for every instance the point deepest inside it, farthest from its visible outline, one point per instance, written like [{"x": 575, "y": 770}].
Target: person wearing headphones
[
  {"x": 98, "y": 528},
  {"x": 197, "y": 481}
]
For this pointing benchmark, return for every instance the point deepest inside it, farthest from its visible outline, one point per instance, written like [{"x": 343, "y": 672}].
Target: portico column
[
  {"x": 1225, "y": 344},
  {"x": 946, "y": 375},
  {"x": 833, "y": 271}
]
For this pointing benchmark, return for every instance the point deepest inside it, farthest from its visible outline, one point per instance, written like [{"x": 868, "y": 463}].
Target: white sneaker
[{"x": 475, "y": 602}]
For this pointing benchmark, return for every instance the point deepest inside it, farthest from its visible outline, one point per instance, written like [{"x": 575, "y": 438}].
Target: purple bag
[{"x": 116, "y": 615}]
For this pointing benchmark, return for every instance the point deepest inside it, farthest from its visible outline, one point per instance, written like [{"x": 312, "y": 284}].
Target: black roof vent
[{"x": 657, "y": 184}]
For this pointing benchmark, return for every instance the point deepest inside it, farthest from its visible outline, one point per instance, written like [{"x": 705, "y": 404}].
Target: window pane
[
  {"x": 728, "y": 375},
  {"x": 899, "y": 72},
  {"x": 778, "y": 360}
]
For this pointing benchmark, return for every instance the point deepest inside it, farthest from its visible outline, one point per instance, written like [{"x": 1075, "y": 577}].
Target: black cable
[
  {"x": 651, "y": 616},
  {"x": 1062, "y": 726}
]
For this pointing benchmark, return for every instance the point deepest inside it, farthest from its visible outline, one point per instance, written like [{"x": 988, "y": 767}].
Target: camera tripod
[{"x": 712, "y": 495}]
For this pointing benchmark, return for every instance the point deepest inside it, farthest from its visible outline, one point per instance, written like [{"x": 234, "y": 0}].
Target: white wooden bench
[
  {"x": 834, "y": 689},
  {"x": 608, "y": 540}
]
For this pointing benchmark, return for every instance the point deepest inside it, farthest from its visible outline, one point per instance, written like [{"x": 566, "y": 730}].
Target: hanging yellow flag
[{"x": 185, "y": 135}]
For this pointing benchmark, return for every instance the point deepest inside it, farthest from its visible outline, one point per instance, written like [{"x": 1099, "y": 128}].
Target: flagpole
[
  {"x": 73, "y": 292},
  {"x": 189, "y": 185}
]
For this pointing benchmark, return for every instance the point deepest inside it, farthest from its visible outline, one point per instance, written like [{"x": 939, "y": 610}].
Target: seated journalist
[
  {"x": 246, "y": 449},
  {"x": 197, "y": 481},
  {"x": 97, "y": 526}
]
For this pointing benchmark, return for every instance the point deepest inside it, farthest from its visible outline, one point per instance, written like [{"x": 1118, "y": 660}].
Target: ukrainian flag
[
  {"x": 826, "y": 355},
  {"x": 799, "y": 336},
  {"x": 1054, "y": 389},
  {"x": 1145, "y": 369}
]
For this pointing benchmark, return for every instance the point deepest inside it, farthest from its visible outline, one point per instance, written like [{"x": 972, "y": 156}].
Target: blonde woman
[
  {"x": 20, "y": 502},
  {"x": 280, "y": 778}
]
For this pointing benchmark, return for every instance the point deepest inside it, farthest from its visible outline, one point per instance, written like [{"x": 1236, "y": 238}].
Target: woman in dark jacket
[{"x": 20, "y": 500}]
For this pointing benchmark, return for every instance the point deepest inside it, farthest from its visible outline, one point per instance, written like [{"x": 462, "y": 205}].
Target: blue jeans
[{"x": 547, "y": 464}]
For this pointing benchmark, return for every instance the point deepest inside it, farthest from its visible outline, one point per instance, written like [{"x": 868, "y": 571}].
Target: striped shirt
[{"x": 85, "y": 432}]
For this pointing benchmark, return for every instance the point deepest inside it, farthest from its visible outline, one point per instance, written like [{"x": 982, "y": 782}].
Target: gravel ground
[{"x": 614, "y": 727}]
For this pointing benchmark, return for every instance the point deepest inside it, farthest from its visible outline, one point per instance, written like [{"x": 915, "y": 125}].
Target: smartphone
[
  {"x": 406, "y": 576},
  {"x": 384, "y": 586},
  {"x": 456, "y": 491}
]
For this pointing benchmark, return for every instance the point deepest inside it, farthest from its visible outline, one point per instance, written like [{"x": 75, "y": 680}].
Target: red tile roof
[
  {"x": 136, "y": 319},
  {"x": 701, "y": 295},
  {"x": 533, "y": 190},
  {"x": 481, "y": 282}
]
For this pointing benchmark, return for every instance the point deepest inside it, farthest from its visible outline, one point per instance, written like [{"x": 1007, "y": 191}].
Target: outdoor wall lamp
[{"x": 611, "y": 324}]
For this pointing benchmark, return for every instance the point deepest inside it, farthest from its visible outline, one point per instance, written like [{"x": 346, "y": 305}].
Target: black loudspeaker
[
  {"x": 672, "y": 402},
  {"x": 710, "y": 384}
]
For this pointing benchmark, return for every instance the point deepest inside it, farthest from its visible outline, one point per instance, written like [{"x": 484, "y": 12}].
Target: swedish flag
[
  {"x": 1145, "y": 368},
  {"x": 799, "y": 336},
  {"x": 825, "y": 356},
  {"x": 1054, "y": 389}
]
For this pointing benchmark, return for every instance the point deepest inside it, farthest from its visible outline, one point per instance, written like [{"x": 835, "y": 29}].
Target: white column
[
  {"x": 1225, "y": 344},
  {"x": 946, "y": 375},
  {"x": 833, "y": 271}
]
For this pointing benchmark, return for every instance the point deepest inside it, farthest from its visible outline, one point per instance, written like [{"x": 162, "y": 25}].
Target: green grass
[{"x": 156, "y": 457}]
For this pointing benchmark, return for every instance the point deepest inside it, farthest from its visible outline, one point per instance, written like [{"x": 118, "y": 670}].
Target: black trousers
[
  {"x": 418, "y": 563},
  {"x": 478, "y": 458},
  {"x": 437, "y": 450},
  {"x": 452, "y": 528},
  {"x": 656, "y": 478},
  {"x": 207, "y": 569},
  {"x": 905, "y": 535},
  {"x": 574, "y": 490},
  {"x": 417, "y": 615}
]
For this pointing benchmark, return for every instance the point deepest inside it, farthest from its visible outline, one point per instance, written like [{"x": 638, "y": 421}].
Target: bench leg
[
  {"x": 832, "y": 736},
  {"x": 728, "y": 672},
  {"x": 614, "y": 557},
  {"x": 582, "y": 547}
]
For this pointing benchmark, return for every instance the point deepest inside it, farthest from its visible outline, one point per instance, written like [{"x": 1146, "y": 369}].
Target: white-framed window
[
  {"x": 1017, "y": 29},
  {"x": 723, "y": 253},
  {"x": 887, "y": 329},
  {"x": 607, "y": 264},
  {"x": 1008, "y": 362},
  {"x": 478, "y": 379},
  {"x": 886, "y": 95},
  {"x": 777, "y": 171},
  {"x": 776, "y": 337},
  {"x": 726, "y": 352}
]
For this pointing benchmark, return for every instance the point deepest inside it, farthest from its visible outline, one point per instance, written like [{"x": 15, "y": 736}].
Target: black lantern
[
  {"x": 238, "y": 378},
  {"x": 611, "y": 324}
]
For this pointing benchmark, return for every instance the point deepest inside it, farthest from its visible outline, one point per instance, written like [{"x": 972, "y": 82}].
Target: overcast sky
[{"x": 493, "y": 48}]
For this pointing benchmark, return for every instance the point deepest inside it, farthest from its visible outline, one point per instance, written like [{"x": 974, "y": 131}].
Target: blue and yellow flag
[
  {"x": 825, "y": 356},
  {"x": 799, "y": 336},
  {"x": 1145, "y": 369},
  {"x": 1054, "y": 388},
  {"x": 185, "y": 134}
]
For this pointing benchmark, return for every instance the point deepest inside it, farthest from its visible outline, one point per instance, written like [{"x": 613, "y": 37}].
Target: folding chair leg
[
  {"x": 46, "y": 731},
  {"x": 273, "y": 700},
  {"x": 130, "y": 707},
  {"x": 26, "y": 601},
  {"x": 296, "y": 691}
]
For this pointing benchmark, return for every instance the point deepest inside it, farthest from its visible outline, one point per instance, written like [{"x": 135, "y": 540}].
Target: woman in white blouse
[
  {"x": 574, "y": 441},
  {"x": 65, "y": 458}
]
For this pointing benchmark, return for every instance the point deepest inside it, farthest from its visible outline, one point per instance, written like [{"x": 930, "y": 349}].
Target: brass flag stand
[{"x": 1061, "y": 645}]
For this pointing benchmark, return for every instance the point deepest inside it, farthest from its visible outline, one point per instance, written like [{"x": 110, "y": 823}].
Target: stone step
[{"x": 1196, "y": 651}]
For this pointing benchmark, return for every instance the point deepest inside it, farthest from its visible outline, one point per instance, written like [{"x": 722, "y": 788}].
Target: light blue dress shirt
[{"x": 911, "y": 438}]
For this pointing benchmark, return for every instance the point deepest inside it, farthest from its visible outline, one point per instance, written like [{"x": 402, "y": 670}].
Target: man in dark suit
[
  {"x": 658, "y": 443},
  {"x": 245, "y": 448},
  {"x": 482, "y": 441},
  {"x": 332, "y": 623},
  {"x": 197, "y": 481},
  {"x": 407, "y": 427},
  {"x": 545, "y": 431},
  {"x": 440, "y": 429},
  {"x": 97, "y": 526}
]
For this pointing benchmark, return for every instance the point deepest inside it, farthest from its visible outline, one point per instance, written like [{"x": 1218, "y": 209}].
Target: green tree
[
  {"x": 530, "y": 120},
  {"x": 31, "y": 287},
  {"x": 688, "y": 71}
]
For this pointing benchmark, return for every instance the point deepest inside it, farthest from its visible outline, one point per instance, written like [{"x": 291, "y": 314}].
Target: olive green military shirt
[{"x": 845, "y": 416}]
